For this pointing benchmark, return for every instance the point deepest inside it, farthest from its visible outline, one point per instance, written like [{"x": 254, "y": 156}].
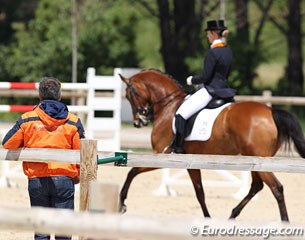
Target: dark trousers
[{"x": 52, "y": 192}]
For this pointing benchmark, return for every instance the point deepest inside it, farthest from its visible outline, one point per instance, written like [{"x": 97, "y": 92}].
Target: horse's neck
[
  {"x": 162, "y": 133},
  {"x": 166, "y": 98},
  {"x": 168, "y": 107},
  {"x": 166, "y": 104}
]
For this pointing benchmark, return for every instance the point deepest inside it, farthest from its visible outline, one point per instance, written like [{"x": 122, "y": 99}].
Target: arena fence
[
  {"x": 177, "y": 161},
  {"x": 109, "y": 225}
]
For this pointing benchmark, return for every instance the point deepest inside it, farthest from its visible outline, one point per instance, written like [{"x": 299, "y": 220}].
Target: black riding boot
[{"x": 180, "y": 123}]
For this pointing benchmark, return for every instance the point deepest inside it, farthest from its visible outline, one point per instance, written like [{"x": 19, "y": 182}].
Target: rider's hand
[{"x": 189, "y": 80}]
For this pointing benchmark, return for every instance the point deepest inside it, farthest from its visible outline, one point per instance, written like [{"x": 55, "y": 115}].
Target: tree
[
  {"x": 292, "y": 82},
  {"x": 107, "y": 38},
  {"x": 295, "y": 75},
  {"x": 44, "y": 49},
  {"x": 14, "y": 15},
  {"x": 244, "y": 72},
  {"x": 14, "y": 11},
  {"x": 180, "y": 24},
  {"x": 246, "y": 46},
  {"x": 180, "y": 34},
  {"x": 105, "y": 41}
]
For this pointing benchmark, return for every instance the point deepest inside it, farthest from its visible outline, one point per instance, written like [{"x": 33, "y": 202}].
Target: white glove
[{"x": 189, "y": 80}]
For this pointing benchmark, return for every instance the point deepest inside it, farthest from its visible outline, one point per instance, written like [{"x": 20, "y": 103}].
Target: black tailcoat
[{"x": 216, "y": 70}]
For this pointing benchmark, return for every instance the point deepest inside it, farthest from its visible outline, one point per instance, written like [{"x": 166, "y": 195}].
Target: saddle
[{"x": 214, "y": 103}]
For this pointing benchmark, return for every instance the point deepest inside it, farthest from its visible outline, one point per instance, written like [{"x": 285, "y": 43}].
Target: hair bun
[{"x": 225, "y": 33}]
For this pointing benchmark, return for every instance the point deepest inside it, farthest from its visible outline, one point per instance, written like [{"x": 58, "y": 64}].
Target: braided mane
[{"x": 186, "y": 89}]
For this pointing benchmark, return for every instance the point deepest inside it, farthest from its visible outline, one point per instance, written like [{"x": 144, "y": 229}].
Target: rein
[
  {"x": 169, "y": 101},
  {"x": 132, "y": 95}
]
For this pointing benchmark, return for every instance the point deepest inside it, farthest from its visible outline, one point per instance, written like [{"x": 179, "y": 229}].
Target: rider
[{"x": 216, "y": 70}]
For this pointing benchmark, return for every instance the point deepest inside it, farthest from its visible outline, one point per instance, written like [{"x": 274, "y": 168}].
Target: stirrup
[{"x": 178, "y": 150}]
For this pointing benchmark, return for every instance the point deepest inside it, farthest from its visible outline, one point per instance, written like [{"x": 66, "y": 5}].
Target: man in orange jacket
[{"x": 49, "y": 125}]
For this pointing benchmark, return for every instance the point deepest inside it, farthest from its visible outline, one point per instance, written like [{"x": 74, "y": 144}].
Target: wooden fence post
[
  {"x": 267, "y": 94},
  {"x": 88, "y": 170}
]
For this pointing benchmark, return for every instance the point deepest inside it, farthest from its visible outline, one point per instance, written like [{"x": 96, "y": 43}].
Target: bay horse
[{"x": 246, "y": 128}]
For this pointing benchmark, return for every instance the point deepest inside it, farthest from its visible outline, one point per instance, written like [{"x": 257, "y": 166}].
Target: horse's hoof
[{"x": 123, "y": 208}]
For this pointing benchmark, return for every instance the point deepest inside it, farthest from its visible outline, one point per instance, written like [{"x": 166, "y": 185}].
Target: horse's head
[
  {"x": 138, "y": 96},
  {"x": 152, "y": 93}
]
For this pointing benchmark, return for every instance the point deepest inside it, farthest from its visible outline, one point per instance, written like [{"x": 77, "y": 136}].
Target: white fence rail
[
  {"x": 178, "y": 161},
  {"x": 114, "y": 226}
]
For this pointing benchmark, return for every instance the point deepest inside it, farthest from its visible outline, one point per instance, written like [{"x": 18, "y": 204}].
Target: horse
[{"x": 246, "y": 128}]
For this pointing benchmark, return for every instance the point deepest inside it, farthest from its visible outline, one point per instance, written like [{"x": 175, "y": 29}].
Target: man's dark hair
[{"x": 49, "y": 88}]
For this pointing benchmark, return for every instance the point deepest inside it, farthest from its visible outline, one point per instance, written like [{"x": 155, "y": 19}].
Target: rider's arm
[{"x": 208, "y": 69}]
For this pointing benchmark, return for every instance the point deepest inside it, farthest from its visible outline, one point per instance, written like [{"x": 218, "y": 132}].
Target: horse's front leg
[
  {"x": 195, "y": 176},
  {"x": 131, "y": 175}
]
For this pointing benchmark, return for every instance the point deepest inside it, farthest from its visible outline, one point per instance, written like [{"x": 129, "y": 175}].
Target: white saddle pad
[{"x": 203, "y": 125}]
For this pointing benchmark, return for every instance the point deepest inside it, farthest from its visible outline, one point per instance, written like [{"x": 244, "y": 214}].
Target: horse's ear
[{"x": 125, "y": 80}]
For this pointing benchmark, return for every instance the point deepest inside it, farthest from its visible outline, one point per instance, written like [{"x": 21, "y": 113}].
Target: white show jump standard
[
  {"x": 34, "y": 86},
  {"x": 93, "y": 104},
  {"x": 180, "y": 161}
]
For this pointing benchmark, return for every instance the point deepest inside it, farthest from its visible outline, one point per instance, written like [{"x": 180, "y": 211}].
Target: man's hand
[{"x": 76, "y": 180}]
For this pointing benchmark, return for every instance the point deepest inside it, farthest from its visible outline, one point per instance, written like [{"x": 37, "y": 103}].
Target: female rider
[{"x": 216, "y": 70}]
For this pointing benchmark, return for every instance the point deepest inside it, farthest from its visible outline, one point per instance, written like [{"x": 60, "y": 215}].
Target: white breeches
[{"x": 194, "y": 103}]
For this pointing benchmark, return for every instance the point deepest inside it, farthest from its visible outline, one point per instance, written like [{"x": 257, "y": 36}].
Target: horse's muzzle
[
  {"x": 140, "y": 121},
  {"x": 137, "y": 124}
]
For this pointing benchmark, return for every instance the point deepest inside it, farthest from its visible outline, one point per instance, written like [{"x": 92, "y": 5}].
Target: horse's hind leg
[
  {"x": 131, "y": 175},
  {"x": 278, "y": 191},
  {"x": 195, "y": 176},
  {"x": 256, "y": 186}
]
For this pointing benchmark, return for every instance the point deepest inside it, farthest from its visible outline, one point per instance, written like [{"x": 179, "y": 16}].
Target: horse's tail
[{"x": 289, "y": 129}]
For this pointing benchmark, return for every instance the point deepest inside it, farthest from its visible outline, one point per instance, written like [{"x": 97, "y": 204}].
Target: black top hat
[{"x": 216, "y": 25}]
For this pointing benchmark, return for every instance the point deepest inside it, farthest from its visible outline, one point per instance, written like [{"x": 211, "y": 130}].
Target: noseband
[{"x": 144, "y": 113}]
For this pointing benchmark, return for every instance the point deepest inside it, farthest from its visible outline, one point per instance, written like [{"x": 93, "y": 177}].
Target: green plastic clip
[
  {"x": 123, "y": 160},
  {"x": 120, "y": 159}
]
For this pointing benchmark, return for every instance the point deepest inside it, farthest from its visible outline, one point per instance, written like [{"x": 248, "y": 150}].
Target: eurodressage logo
[{"x": 265, "y": 232}]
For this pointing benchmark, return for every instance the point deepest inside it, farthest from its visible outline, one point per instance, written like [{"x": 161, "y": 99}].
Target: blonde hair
[{"x": 224, "y": 34}]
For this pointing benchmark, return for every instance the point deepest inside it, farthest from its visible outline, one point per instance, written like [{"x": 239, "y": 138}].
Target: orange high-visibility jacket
[{"x": 49, "y": 125}]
